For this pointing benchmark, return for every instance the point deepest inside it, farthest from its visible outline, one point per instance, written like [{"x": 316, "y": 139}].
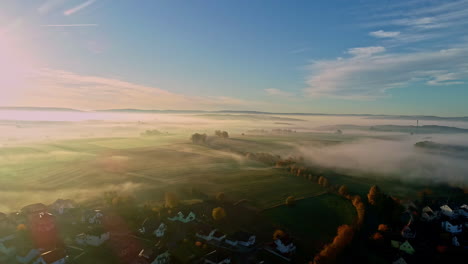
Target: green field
[
  {"x": 313, "y": 220},
  {"x": 85, "y": 169}
]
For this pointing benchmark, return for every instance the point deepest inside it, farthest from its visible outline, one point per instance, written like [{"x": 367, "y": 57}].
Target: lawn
[{"x": 313, "y": 221}]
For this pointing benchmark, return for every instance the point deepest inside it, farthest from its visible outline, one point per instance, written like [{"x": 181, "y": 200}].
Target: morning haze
[{"x": 138, "y": 132}]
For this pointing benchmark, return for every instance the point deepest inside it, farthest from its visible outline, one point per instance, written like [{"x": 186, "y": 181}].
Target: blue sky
[{"x": 378, "y": 57}]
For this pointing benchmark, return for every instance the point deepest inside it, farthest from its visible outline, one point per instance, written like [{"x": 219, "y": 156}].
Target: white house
[
  {"x": 161, "y": 230},
  {"x": 28, "y": 256},
  {"x": 240, "y": 239},
  {"x": 446, "y": 210},
  {"x": 92, "y": 217},
  {"x": 219, "y": 236},
  {"x": 184, "y": 218},
  {"x": 95, "y": 238},
  {"x": 407, "y": 232},
  {"x": 56, "y": 256},
  {"x": 61, "y": 206},
  {"x": 154, "y": 256},
  {"x": 455, "y": 241},
  {"x": 427, "y": 214},
  {"x": 217, "y": 257},
  {"x": 452, "y": 226},
  {"x": 284, "y": 245},
  {"x": 205, "y": 232},
  {"x": 463, "y": 211}
]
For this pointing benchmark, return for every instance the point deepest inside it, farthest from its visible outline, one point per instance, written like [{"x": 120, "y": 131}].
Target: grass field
[
  {"x": 84, "y": 169},
  {"x": 313, "y": 220}
]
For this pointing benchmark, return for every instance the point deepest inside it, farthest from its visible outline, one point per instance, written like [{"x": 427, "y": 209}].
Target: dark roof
[
  {"x": 286, "y": 240},
  {"x": 217, "y": 256},
  {"x": 53, "y": 255},
  {"x": 96, "y": 231},
  {"x": 151, "y": 223},
  {"x": 455, "y": 222},
  {"x": 240, "y": 236},
  {"x": 151, "y": 253},
  {"x": 204, "y": 229},
  {"x": 218, "y": 234}
]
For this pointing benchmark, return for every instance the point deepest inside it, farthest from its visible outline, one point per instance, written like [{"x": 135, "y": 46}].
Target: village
[{"x": 64, "y": 232}]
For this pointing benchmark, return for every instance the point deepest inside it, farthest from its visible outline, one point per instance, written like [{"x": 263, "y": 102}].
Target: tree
[
  {"x": 225, "y": 134},
  {"x": 323, "y": 181},
  {"x": 278, "y": 234},
  {"x": 21, "y": 227},
  {"x": 375, "y": 195},
  {"x": 383, "y": 228},
  {"x": 171, "y": 200},
  {"x": 330, "y": 252},
  {"x": 198, "y": 138},
  {"x": 343, "y": 191},
  {"x": 290, "y": 201},
  {"x": 220, "y": 196},
  {"x": 218, "y": 213},
  {"x": 377, "y": 236}
]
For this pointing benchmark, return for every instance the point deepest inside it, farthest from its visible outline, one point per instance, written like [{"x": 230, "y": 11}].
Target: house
[
  {"x": 284, "y": 245},
  {"x": 94, "y": 237},
  {"x": 400, "y": 261},
  {"x": 184, "y": 217},
  {"x": 27, "y": 256},
  {"x": 452, "y": 226},
  {"x": 34, "y": 208},
  {"x": 93, "y": 217},
  {"x": 455, "y": 241},
  {"x": 217, "y": 257},
  {"x": 447, "y": 211},
  {"x": 463, "y": 211},
  {"x": 205, "y": 232},
  {"x": 56, "y": 256},
  {"x": 241, "y": 239},
  {"x": 408, "y": 231},
  {"x": 7, "y": 246},
  {"x": 218, "y": 236},
  {"x": 407, "y": 248},
  {"x": 60, "y": 206},
  {"x": 427, "y": 214},
  {"x": 153, "y": 255},
  {"x": 43, "y": 230},
  {"x": 154, "y": 226}
]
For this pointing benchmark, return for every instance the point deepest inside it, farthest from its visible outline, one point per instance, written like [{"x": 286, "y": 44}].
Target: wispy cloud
[
  {"x": 71, "y": 25},
  {"x": 49, "y": 87},
  {"x": 370, "y": 76},
  {"x": 49, "y": 5},
  {"x": 365, "y": 51},
  {"x": 277, "y": 92},
  {"x": 384, "y": 34},
  {"x": 78, "y": 8}
]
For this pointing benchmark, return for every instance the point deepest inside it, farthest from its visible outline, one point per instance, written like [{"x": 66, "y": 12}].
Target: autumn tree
[
  {"x": 331, "y": 251},
  {"x": 278, "y": 234},
  {"x": 383, "y": 228},
  {"x": 290, "y": 201},
  {"x": 323, "y": 181},
  {"x": 218, "y": 213},
  {"x": 360, "y": 209},
  {"x": 377, "y": 236},
  {"x": 220, "y": 197},
  {"x": 171, "y": 200},
  {"x": 375, "y": 195},
  {"x": 343, "y": 190}
]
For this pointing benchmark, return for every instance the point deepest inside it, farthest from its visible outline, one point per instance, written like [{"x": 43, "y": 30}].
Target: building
[
  {"x": 241, "y": 239},
  {"x": 447, "y": 211},
  {"x": 93, "y": 217},
  {"x": 56, "y": 256},
  {"x": 284, "y": 245},
  {"x": 427, "y": 214},
  {"x": 94, "y": 237},
  {"x": 217, "y": 257},
  {"x": 153, "y": 225},
  {"x": 26, "y": 256},
  {"x": 183, "y": 216},
  {"x": 153, "y": 255},
  {"x": 407, "y": 248},
  {"x": 219, "y": 236},
  {"x": 452, "y": 226},
  {"x": 43, "y": 230},
  {"x": 463, "y": 211},
  {"x": 400, "y": 261},
  {"x": 205, "y": 232},
  {"x": 408, "y": 231},
  {"x": 60, "y": 206}
]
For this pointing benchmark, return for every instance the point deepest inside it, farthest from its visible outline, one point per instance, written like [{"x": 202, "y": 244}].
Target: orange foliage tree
[
  {"x": 218, "y": 213},
  {"x": 331, "y": 251}
]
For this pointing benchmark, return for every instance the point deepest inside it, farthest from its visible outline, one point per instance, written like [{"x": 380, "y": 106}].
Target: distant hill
[
  {"x": 458, "y": 151},
  {"x": 21, "y": 108},
  {"x": 430, "y": 129}
]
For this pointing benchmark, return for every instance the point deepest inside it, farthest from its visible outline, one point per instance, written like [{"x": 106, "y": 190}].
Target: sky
[{"x": 351, "y": 57}]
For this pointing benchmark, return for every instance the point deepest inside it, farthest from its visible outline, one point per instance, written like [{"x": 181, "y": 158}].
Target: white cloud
[
  {"x": 277, "y": 92},
  {"x": 365, "y": 51},
  {"x": 56, "y": 88},
  {"x": 384, "y": 34},
  {"x": 368, "y": 77},
  {"x": 71, "y": 25},
  {"x": 49, "y": 5},
  {"x": 78, "y": 8}
]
